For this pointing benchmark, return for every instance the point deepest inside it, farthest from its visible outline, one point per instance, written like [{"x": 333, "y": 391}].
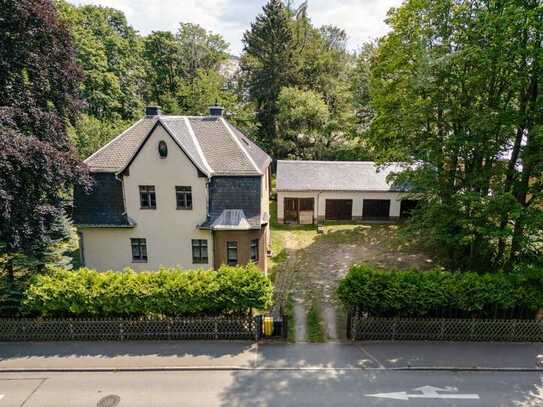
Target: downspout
[{"x": 318, "y": 205}]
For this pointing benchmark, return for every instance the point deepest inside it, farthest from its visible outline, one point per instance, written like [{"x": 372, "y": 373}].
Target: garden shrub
[
  {"x": 438, "y": 293},
  {"x": 167, "y": 292}
]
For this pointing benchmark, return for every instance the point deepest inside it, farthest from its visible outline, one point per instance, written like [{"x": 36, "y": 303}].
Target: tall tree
[
  {"x": 269, "y": 62},
  {"x": 110, "y": 53},
  {"x": 454, "y": 90},
  {"x": 39, "y": 94}
]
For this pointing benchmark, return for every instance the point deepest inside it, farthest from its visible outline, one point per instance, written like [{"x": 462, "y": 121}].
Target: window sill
[
  {"x": 147, "y": 209},
  {"x": 200, "y": 262},
  {"x": 139, "y": 261},
  {"x": 184, "y": 209}
]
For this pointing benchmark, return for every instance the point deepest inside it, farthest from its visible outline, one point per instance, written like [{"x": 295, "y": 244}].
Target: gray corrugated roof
[
  {"x": 215, "y": 146},
  {"x": 334, "y": 176}
]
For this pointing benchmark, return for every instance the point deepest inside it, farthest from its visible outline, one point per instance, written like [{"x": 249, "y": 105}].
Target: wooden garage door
[
  {"x": 339, "y": 209},
  {"x": 376, "y": 208}
]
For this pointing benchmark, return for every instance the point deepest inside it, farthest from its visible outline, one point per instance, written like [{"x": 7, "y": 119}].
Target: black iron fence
[
  {"x": 121, "y": 329},
  {"x": 444, "y": 329}
]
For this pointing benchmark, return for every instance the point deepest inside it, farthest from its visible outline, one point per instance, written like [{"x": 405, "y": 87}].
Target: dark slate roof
[
  {"x": 335, "y": 176},
  {"x": 234, "y": 193},
  {"x": 215, "y": 146},
  {"x": 103, "y": 206}
]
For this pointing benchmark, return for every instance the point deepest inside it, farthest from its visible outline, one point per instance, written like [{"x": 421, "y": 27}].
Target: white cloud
[{"x": 362, "y": 19}]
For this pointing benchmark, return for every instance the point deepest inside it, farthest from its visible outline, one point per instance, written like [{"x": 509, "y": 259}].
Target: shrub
[
  {"x": 440, "y": 293},
  {"x": 167, "y": 292}
]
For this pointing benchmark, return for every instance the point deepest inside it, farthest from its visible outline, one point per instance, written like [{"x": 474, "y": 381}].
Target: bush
[
  {"x": 440, "y": 293},
  {"x": 167, "y": 292}
]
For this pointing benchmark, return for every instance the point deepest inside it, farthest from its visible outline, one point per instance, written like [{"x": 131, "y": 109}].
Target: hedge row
[
  {"x": 167, "y": 292},
  {"x": 439, "y": 293}
]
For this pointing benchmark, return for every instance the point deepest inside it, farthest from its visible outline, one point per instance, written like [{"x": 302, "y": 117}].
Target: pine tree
[{"x": 269, "y": 63}]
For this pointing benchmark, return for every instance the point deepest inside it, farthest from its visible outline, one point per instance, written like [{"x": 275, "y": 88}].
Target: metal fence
[
  {"x": 128, "y": 329},
  {"x": 122, "y": 329},
  {"x": 483, "y": 330}
]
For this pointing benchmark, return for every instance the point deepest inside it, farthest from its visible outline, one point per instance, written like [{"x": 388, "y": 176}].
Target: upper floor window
[
  {"x": 254, "y": 250},
  {"x": 232, "y": 253},
  {"x": 147, "y": 197},
  {"x": 139, "y": 250},
  {"x": 183, "y": 196},
  {"x": 199, "y": 251}
]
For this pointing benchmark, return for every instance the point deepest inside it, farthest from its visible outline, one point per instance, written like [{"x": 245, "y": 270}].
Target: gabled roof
[
  {"x": 215, "y": 146},
  {"x": 335, "y": 176}
]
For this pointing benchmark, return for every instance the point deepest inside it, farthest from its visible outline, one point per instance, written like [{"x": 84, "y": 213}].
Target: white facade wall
[
  {"x": 168, "y": 231},
  {"x": 357, "y": 198}
]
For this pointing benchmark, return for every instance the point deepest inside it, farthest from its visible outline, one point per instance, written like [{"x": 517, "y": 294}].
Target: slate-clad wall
[
  {"x": 103, "y": 205},
  {"x": 235, "y": 193}
]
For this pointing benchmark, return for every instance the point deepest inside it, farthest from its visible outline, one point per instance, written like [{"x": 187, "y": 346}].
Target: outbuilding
[{"x": 316, "y": 191}]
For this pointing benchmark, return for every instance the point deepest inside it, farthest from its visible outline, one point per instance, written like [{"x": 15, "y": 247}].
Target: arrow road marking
[{"x": 426, "y": 392}]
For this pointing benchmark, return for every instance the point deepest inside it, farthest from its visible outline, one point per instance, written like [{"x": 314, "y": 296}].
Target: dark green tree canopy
[{"x": 39, "y": 94}]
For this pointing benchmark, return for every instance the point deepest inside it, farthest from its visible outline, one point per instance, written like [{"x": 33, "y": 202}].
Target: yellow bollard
[{"x": 267, "y": 325}]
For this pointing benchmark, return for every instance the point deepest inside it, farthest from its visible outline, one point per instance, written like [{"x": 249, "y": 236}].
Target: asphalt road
[{"x": 332, "y": 387}]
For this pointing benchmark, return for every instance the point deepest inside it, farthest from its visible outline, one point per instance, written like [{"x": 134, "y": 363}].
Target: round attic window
[{"x": 162, "y": 149}]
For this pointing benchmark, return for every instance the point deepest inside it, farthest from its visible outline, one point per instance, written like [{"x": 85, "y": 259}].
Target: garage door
[
  {"x": 339, "y": 209},
  {"x": 376, "y": 208},
  {"x": 407, "y": 206}
]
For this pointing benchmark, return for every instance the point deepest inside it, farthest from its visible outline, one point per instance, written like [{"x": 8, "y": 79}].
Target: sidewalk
[{"x": 223, "y": 355}]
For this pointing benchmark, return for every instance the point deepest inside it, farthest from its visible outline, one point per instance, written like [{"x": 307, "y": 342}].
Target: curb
[{"x": 256, "y": 369}]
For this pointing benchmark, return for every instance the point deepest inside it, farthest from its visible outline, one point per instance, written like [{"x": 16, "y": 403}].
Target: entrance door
[
  {"x": 291, "y": 210},
  {"x": 376, "y": 209},
  {"x": 339, "y": 209}
]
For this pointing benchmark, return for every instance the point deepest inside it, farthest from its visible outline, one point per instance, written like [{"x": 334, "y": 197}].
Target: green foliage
[
  {"x": 167, "y": 292},
  {"x": 452, "y": 89},
  {"x": 284, "y": 55},
  {"x": 39, "y": 95},
  {"x": 109, "y": 52},
  {"x": 315, "y": 330},
  {"x": 438, "y": 293},
  {"x": 183, "y": 69}
]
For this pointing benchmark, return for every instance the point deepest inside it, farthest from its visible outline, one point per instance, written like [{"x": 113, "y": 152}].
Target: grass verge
[
  {"x": 291, "y": 328},
  {"x": 315, "y": 331}
]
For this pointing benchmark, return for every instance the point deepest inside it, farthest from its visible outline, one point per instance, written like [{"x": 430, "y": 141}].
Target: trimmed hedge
[
  {"x": 167, "y": 292},
  {"x": 412, "y": 293}
]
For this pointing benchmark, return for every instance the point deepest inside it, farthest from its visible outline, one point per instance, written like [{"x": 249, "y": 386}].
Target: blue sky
[{"x": 362, "y": 19}]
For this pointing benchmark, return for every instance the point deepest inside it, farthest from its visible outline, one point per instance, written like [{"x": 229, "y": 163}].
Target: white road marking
[{"x": 426, "y": 392}]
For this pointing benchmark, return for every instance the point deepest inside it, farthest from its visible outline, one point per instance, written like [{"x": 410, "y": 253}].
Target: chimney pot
[{"x": 152, "y": 111}]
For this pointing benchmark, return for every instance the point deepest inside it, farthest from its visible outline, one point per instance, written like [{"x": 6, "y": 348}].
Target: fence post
[{"x": 258, "y": 327}]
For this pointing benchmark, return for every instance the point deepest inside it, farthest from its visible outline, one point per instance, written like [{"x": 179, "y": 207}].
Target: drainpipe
[{"x": 318, "y": 205}]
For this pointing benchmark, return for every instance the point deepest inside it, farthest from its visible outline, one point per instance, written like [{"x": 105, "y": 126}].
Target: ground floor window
[
  {"x": 232, "y": 252},
  {"x": 139, "y": 250},
  {"x": 254, "y": 250},
  {"x": 199, "y": 251}
]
